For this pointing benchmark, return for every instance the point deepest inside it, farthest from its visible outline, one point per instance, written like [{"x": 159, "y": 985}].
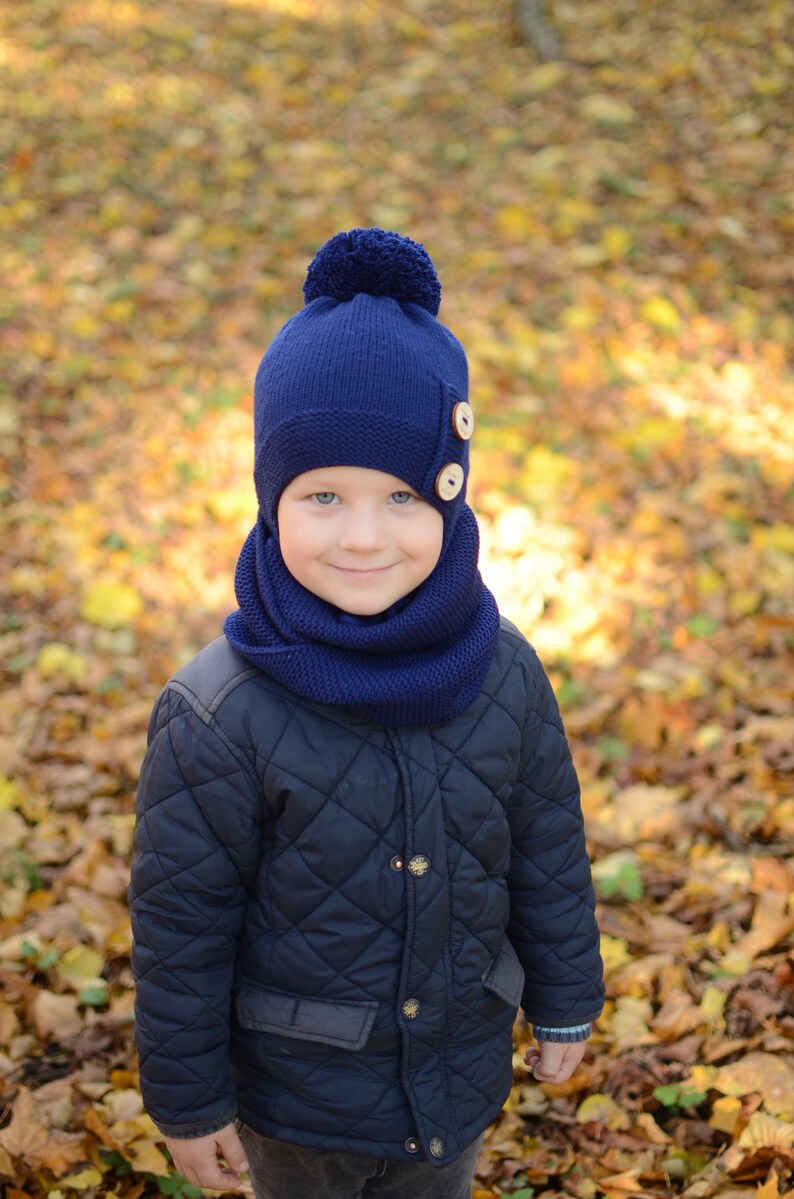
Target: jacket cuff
[
  {"x": 577, "y": 1032},
  {"x": 188, "y": 1132}
]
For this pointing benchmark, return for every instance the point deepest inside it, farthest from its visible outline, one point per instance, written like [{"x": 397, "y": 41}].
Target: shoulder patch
[{"x": 214, "y": 672}]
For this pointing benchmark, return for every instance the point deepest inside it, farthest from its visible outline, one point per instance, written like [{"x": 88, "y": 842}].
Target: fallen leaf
[
  {"x": 602, "y": 1109},
  {"x": 110, "y": 604},
  {"x": 38, "y": 1145},
  {"x": 765, "y": 1132},
  {"x": 770, "y": 1075},
  {"x": 771, "y": 923},
  {"x": 55, "y": 1015},
  {"x": 82, "y": 1180}
]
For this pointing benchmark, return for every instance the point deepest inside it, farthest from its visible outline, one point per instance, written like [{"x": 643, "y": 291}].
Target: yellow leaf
[
  {"x": 773, "y": 84},
  {"x": 10, "y": 795},
  {"x": 744, "y": 601},
  {"x": 615, "y": 952},
  {"x": 81, "y": 1181},
  {"x": 736, "y": 963},
  {"x": 606, "y": 109},
  {"x": 110, "y": 604},
  {"x": 655, "y": 1134},
  {"x": 616, "y": 241},
  {"x": 57, "y": 658},
  {"x": 708, "y": 581},
  {"x": 541, "y": 78},
  {"x": 80, "y": 965},
  {"x": 145, "y": 1157},
  {"x": 517, "y": 221},
  {"x": 578, "y": 317},
  {"x": 725, "y": 1114},
  {"x": 779, "y": 536},
  {"x": 712, "y": 1005},
  {"x": 770, "y": 1189},
  {"x": 660, "y": 312},
  {"x": 231, "y": 504},
  {"x": 702, "y": 1077},
  {"x": 630, "y": 1023},
  {"x": 602, "y": 1109}
]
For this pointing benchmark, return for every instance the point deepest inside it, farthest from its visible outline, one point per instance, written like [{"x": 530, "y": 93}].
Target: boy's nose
[{"x": 362, "y": 530}]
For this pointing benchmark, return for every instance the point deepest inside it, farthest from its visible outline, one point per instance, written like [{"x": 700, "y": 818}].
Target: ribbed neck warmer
[{"x": 421, "y": 663}]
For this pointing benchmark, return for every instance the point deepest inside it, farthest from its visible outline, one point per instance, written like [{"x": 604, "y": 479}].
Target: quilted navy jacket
[{"x": 335, "y": 922}]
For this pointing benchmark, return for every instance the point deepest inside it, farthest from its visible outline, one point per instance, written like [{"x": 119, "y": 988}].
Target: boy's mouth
[{"x": 362, "y": 572}]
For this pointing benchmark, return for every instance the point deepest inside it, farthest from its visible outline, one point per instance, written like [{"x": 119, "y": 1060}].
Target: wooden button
[
  {"x": 463, "y": 420},
  {"x": 449, "y": 481}
]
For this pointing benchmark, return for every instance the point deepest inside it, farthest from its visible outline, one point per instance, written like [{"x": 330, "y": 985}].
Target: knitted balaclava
[{"x": 364, "y": 375}]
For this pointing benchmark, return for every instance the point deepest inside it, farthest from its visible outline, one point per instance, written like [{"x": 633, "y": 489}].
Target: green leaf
[
  {"x": 170, "y": 1185},
  {"x": 691, "y": 1098},
  {"x": 613, "y": 749},
  {"x": 667, "y": 1095},
  {"x": 94, "y": 996},
  {"x": 702, "y": 625}
]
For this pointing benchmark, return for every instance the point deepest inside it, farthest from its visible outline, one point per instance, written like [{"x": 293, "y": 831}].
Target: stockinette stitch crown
[{"x": 365, "y": 375}]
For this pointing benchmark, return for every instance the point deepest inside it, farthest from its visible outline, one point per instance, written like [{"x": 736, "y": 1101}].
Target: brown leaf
[
  {"x": 771, "y": 924},
  {"x": 29, "y": 1138},
  {"x": 56, "y": 1014},
  {"x": 770, "y": 1075}
]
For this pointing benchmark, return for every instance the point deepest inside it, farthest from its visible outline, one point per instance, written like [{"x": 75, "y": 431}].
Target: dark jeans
[{"x": 283, "y": 1171}]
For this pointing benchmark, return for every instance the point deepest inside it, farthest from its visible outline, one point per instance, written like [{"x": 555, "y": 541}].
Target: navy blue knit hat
[{"x": 364, "y": 375}]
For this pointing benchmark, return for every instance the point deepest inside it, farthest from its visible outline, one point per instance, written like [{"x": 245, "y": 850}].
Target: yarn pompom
[{"x": 376, "y": 262}]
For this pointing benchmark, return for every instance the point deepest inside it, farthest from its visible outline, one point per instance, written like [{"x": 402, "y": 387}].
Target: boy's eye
[
  {"x": 401, "y": 497},
  {"x": 325, "y": 497}
]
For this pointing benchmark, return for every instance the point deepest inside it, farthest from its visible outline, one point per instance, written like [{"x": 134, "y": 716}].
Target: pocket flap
[
  {"x": 344, "y": 1024},
  {"x": 504, "y": 976}
]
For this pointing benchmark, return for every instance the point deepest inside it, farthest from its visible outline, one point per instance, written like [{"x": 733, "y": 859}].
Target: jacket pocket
[
  {"x": 504, "y": 976},
  {"x": 345, "y": 1025}
]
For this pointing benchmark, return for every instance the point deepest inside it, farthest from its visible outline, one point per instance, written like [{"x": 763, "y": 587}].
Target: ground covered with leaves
[{"x": 613, "y": 232}]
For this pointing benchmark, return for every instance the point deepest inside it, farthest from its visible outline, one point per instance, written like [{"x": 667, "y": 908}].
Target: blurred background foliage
[{"x": 613, "y": 231}]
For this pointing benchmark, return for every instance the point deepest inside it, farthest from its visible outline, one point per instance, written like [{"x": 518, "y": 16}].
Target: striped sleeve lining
[{"x": 579, "y": 1032}]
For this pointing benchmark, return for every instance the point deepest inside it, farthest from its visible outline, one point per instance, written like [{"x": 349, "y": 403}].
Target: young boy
[{"x": 359, "y": 843}]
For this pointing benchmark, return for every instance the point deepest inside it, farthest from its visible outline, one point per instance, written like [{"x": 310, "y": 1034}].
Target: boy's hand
[
  {"x": 197, "y": 1158},
  {"x": 553, "y": 1062}
]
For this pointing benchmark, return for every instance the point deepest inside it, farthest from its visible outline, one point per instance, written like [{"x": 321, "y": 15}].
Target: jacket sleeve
[
  {"x": 196, "y": 851},
  {"x": 552, "y": 905}
]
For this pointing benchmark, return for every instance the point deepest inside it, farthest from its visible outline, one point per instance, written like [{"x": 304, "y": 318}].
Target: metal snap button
[
  {"x": 419, "y": 865},
  {"x": 436, "y": 1147},
  {"x": 412, "y": 1145},
  {"x": 449, "y": 481},
  {"x": 463, "y": 420},
  {"x": 397, "y": 862},
  {"x": 411, "y": 1009}
]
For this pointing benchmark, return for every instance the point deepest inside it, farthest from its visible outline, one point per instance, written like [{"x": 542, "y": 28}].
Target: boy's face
[{"x": 358, "y": 538}]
